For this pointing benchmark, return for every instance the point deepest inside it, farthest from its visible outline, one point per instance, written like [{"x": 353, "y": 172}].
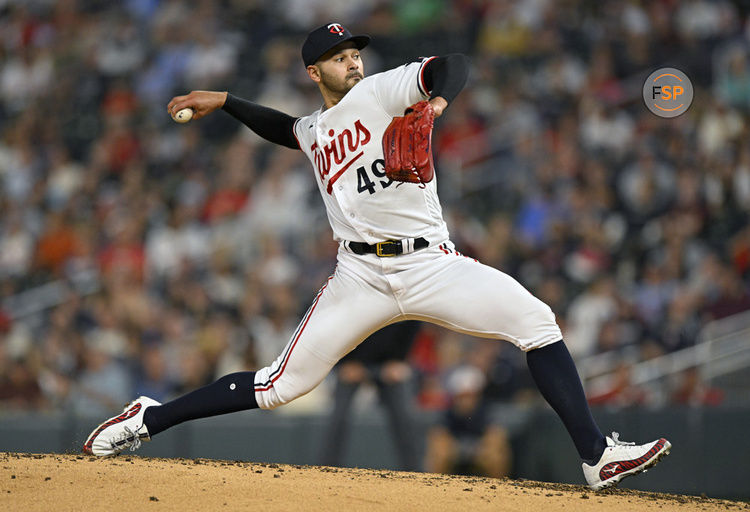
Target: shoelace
[
  {"x": 127, "y": 439},
  {"x": 616, "y": 439}
]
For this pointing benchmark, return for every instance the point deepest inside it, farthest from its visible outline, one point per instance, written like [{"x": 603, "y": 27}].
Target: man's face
[{"x": 341, "y": 68}]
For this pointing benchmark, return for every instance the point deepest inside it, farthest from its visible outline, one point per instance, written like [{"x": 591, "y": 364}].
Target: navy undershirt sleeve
[
  {"x": 272, "y": 125},
  {"x": 446, "y": 76}
]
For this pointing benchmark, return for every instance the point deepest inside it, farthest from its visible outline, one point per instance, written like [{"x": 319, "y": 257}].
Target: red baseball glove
[{"x": 407, "y": 145}]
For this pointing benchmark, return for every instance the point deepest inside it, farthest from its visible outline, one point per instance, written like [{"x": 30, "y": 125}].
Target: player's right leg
[
  {"x": 349, "y": 307},
  {"x": 476, "y": 299}
]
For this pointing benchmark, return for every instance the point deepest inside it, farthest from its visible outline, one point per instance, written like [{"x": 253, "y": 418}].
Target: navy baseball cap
[{"x": 322, "y": 39}]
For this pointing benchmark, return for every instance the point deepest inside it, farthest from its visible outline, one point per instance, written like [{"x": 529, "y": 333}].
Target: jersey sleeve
[
  {"x": 271, "y": 124},
  {"x": 297, "y": 134},
  {"x": 401, "y": 87}
]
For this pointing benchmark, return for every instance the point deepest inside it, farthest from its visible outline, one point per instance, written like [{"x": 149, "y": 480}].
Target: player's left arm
[
  {"x": 407, "y": 146},
  {"x": 443, "y": 78}
]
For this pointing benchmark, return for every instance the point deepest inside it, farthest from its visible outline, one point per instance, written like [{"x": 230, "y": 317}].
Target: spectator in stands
[
  {"x": 619, "y": 391},
  {"x": 692, "y": 390},
  {"x": 467, "y": 440},
  {"x": 152, "y": 378},
  {"x": 104, "y": 384},
  {"x": 379, "y": 360}
]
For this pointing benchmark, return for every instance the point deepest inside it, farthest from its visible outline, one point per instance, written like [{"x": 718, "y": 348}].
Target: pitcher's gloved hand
[{"x": 407, "y": 145}]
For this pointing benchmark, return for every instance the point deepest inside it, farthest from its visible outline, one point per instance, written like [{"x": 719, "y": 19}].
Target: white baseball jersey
[
  {"x": 366, "y": 292},
  {"x": 344, "y": 144}
]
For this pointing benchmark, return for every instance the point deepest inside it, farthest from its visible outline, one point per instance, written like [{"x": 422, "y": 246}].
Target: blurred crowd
[{"x": 179, "y": 253}]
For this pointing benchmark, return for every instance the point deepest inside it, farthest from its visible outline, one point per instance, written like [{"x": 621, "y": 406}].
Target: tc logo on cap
[
  {"x": 668, "y": 92},
  {"x": 336, "y": 28},
  {"x": 325, "y": 37}
]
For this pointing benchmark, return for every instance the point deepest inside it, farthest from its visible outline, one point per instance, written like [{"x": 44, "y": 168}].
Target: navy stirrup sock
[
  {"x": 231, "y": 393},
  {"x": 556, "y": 377}
]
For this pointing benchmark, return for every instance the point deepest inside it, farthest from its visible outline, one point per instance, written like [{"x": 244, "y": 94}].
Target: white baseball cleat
[
  {"x": 621, "y": 459},
  {"x": 120, "y": 432}
]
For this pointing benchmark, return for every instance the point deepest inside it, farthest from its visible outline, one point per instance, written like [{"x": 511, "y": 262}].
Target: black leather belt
[{"x": 387, "y": 248}]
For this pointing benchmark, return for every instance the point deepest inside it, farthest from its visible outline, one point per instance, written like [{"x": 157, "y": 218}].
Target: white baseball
[{"x": 184, "y": 115}]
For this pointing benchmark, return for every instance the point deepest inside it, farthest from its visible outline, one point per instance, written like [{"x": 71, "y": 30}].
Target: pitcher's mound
[{"x": 77, "y": 482}]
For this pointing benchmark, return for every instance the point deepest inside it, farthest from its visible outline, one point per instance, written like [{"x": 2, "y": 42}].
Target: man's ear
[{"x": 314, "y": 73}]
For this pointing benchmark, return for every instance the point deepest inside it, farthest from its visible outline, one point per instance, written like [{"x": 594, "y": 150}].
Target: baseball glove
[{"x": 407, "y": 145}]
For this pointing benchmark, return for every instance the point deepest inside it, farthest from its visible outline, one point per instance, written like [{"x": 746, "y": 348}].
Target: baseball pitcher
[{"x": 370, "y": 149}]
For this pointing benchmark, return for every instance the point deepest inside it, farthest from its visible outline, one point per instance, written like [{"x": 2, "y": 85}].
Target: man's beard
[{"x": 343, "y": 86}]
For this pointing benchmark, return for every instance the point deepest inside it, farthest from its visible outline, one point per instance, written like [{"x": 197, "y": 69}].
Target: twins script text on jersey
[
  {"x": 344, "y": 145},
  {"x": 341, "y": 146}
]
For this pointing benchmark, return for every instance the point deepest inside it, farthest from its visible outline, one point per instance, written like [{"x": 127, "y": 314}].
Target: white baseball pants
[{"x": 368, "y": 292}]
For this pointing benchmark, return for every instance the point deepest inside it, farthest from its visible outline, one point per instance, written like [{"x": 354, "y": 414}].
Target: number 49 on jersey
[{"x": 366, "y": 184}]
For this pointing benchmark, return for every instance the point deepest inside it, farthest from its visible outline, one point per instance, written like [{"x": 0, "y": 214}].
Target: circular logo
[{"x": 668, "y": 92}]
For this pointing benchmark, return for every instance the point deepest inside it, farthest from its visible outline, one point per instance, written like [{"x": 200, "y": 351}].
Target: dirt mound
[{"x": 76, "y": 482}]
